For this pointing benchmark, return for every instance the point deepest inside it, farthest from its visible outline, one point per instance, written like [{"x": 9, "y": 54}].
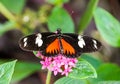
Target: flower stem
[
  {"x": 6, "y": 13},
  {"x": 48, "y": 77}
]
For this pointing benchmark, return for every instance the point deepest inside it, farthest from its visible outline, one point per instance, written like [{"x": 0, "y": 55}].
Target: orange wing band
[
  {"x": 68, "y": 49},
  {"x": 53, "y": 47}
]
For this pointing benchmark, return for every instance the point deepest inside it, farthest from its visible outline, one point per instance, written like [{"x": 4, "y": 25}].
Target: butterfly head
[{"x": 58, "y": 31}]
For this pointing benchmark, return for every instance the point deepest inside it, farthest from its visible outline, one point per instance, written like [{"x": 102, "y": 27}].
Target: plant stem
[
  {"x": 6, "y": 13},
  {"x": 10, "y": 17},
  {"x": 48, "y": 77},
  {"x": 87, "y": 16}
]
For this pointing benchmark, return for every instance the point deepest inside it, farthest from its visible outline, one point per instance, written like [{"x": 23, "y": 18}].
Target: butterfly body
[{"x": 52, "y": 44}]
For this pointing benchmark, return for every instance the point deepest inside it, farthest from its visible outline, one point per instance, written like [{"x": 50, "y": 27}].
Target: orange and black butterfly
[{"x": 52, "y": 44}]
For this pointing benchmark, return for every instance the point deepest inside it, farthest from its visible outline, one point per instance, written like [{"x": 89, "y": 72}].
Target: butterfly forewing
[
  {"x": 82, "y": 44},
  {"x": 36, "y": 42},
  {"x": 89, "y": 44}
]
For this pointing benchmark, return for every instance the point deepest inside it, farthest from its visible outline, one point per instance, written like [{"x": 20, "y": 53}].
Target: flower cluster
[{"x": 58, "y": 64}]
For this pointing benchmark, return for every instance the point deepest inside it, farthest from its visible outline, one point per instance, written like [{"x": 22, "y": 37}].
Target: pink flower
[
  {"x": 46, "y": 63},
  {"x": 56, "y": 69},
  {"x": 66, "y": 71},
  {"x": 59, "y": 64}
]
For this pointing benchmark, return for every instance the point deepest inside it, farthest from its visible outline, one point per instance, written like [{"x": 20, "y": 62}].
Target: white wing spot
[
  {"x": 25, "y": 41},
  {"x": 81, "y": 41},
  {"x": 38, "y": 40},
  {"x": 79, "y": 37},
  {"x": 39, "y": 35},
  {"x": 25, "y": 44},
  {"x": 95, "y": 43}
]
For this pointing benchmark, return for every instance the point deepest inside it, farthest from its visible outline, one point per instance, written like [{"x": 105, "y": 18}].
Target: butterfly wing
[
  {"x": 49, "y": 44},
  {"x": 81, "y": 44},
  {"x": 37, "y": 42}
]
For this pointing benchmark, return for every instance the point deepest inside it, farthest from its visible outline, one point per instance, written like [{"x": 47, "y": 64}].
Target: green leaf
[
  {"x": 57, "y": 2},
  {"x": 87, "y": 16},
  {"x": 6, "y": 27},
  {"x": 109, "y": 82},
  {"x": 60, "y": 18},
  {"x": 109, "y": 71},
  {"x": 6, "y": 71},
  {"x": 67, "y": 80},
  {"x": 93, "y": 61},
  {"x": 83, "y": 70},
  {"x": 24, "y": 69},
  {"x": 15, "y": 6},
  {"x": 108, "y": 26},
  {"x": 35, "y": 52}
]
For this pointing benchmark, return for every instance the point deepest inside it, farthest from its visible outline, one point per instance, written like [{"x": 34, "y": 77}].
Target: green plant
[{"x": 107, "y": 25}]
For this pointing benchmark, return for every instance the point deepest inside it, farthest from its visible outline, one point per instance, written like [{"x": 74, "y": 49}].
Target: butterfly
[{"x": 51, "y": 44}]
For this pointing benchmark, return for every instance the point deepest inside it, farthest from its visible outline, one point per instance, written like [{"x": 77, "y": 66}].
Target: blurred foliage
[
  {"x": 59, "y": 18},
  {"x": 6, "y": 27},
  {"x": 24, "y": 69},
  {"x": 14, "y": 6},
  {"x": 108, "y": 26},
  {"x": 109, "y": 71},
  {"x": 56, "y": 16},
  {"x": 87, "y": 16},
  {"x": 57, "y": 2}
]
